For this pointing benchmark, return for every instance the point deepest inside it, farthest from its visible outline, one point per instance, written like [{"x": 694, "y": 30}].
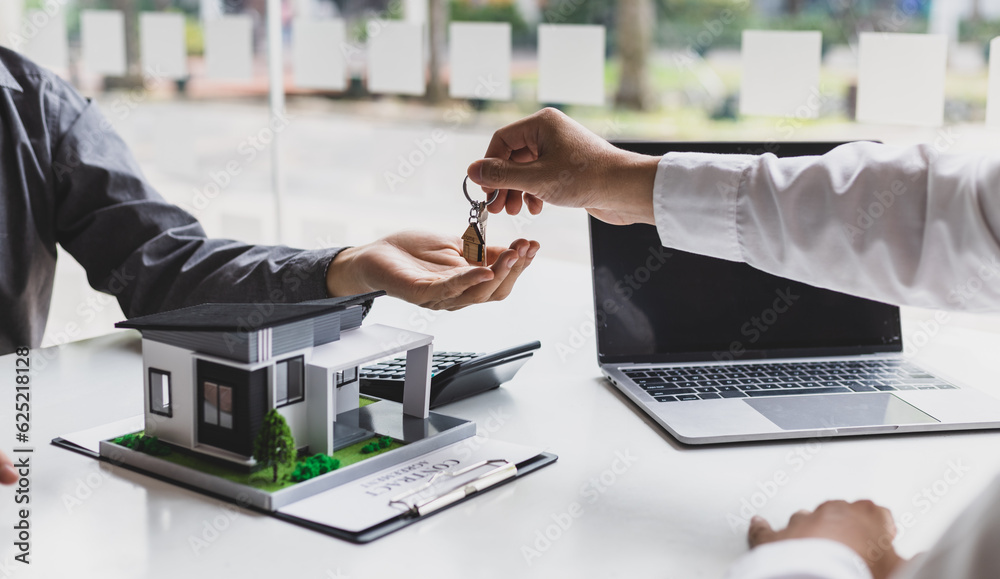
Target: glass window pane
[
  {"x": 225, "y": 407},
  {"x": 165, "y": 389},
  {"x": 159, "y": 392},
  {"x": 211, "y": 403},
  {"x": 295, "y": 380},
  {"x": 350, "y": 375},
  {"x": 155, "y": 393},
  {"x": 289, "y": 381},
  {"x": 280, "y": 383}
]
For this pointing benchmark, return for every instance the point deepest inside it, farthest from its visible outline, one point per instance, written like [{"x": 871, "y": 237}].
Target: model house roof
[
  {"x": 214, "y": 317},
  {"x": 251, "y": 333}
]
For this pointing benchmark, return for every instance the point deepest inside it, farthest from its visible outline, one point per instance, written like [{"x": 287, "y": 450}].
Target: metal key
[{"x": 474, "y": 238}]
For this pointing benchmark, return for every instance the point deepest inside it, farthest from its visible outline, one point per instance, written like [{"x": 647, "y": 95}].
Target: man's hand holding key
[{"x": 550, "y": 158}]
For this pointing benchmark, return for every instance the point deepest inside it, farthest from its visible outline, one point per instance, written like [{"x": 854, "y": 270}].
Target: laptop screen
[{"x": 655, "y": 304}]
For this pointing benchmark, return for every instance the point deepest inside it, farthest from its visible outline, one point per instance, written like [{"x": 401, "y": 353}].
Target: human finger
[
  {"x": 445, "y": 289},
  {"x": 760, "y": 532},
  {"x": 534, "y": 204},
  {"x": 834, "y": 504},
  {"x": 513, "y": 203},
  {"x": 507, "y": 175},
  {"x": 797, "y": 516},
  {"x": 481, "y": 292},
  {"x": 8, "y": 475},
  {"x": 505, "y": 144},
  {"x": 526, "y": 254}
]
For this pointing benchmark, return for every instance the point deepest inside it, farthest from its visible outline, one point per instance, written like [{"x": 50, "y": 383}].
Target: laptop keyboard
[{"x": 684, "y": 383}]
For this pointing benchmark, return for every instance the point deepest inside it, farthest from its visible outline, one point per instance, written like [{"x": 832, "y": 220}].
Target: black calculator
[{"x": 454, "y": 375}]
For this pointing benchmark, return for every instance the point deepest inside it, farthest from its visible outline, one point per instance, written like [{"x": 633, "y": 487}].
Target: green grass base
[
  {"x": 352, "y": 454},
  {"x": 261, "y": 479}
]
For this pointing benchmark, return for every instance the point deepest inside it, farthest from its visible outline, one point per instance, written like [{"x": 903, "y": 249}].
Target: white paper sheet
[
  {"x": 571, "y": 64},
  {"x": 993, "y": 96},
  {"x": 91, "y": 438},
  {"x": 479, "y": 56},
  {"x": 781, "y": 73},
  {"x": 44, "y": 39},
  {"x": 229, "y": 47},
  {"x": 163, "y": 46},
  {"x": 361, "y": 504},
  {"x": 317, "y": 56},
  {"x": 901, "y": 78},
  {"x": 102, "y": 39},
  {"x": 396, "y": 58},
  {"x": 415, "y": 11}
]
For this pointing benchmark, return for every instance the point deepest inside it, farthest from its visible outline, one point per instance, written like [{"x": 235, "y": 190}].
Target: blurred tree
[
  {"x": 701, "y": 25},
  {"x": 133, "y": 76},
  {"x": 437, "y": 21},
  {"x": 578, "y": 11},
  {"x": 636, "y": 19},
  {"x": 131, "y": 14},
  {"x": 465, "y": 11}
]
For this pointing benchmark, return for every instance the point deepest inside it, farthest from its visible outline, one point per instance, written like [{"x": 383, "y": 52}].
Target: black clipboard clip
[{"x": 505, "y": 470}]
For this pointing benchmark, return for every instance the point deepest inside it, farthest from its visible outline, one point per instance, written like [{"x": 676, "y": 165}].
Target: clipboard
[
  {"x": 401, "y": 495},
  {"x": 411, "y": 516}
]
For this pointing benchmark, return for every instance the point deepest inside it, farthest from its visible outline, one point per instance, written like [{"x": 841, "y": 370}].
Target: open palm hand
[{"x": 428, "y": 269}]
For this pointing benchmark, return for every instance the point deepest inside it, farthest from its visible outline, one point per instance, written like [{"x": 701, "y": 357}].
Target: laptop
[{"x": 716, "y": 351}]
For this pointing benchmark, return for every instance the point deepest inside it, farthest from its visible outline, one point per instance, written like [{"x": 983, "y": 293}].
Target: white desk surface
[{"x": 665, "y": 515}]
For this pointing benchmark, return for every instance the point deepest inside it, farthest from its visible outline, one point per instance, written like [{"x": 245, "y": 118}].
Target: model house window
[
  {"x": 289, "y": 381},
  {"x": 217, "y": 405},
  {"x": 347, "y": 376},
  {"x": 225, "y": 406},
  {"x": 159, "y": 392}
]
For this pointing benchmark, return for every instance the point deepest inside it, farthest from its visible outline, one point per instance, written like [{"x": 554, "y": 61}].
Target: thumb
[
  {"x": 496, "y": 173},
  {"x": 760, "y": 532}
]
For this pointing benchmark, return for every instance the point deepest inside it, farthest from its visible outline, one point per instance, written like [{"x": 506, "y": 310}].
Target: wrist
[
  {"x": 344, "y": 276},
  {"x": 630, "y": 187}
]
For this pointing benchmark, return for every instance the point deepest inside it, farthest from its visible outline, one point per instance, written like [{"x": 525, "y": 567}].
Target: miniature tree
[{"x": 274, "y": 445}]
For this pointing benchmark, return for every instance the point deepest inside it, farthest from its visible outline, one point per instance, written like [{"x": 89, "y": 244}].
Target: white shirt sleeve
[
  {"x": 968, "y": 549},
  {"x": 800, "y": 559},
  {"x": 899, "y": 225}
]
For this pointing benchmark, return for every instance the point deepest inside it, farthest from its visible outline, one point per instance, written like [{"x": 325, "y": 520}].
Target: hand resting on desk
[{"x": 865, "y": 527}]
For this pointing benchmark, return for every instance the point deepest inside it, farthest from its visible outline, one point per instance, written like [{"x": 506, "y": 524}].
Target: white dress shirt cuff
[
  {"x": 695, "y": 199},
  {"x": 800, "y": 559}
]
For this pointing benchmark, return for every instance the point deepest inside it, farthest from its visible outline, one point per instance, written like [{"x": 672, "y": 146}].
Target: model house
[{"x": 211, "y": 373}]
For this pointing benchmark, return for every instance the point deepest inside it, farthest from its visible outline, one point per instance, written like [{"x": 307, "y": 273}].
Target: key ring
[{"x": 466, "y": 190}]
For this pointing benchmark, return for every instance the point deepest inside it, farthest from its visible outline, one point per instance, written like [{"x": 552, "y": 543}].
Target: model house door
[
  {"x": 216, "y": 415},
  {"x": 231, "y": 406}
]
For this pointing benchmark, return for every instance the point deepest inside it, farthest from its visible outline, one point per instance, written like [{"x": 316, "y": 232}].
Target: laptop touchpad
[{"x": 837, "y": 411}]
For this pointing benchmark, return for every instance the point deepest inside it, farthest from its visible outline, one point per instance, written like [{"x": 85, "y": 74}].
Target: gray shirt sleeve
[{"x": 150, "y": 254}]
